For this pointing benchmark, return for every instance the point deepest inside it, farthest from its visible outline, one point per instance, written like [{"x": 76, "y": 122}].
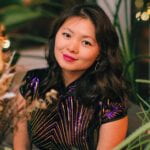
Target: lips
[{"x": 69, "y": 58}]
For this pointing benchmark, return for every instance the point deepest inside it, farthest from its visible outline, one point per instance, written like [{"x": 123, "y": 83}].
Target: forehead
[{"x": 79, "y": 23}]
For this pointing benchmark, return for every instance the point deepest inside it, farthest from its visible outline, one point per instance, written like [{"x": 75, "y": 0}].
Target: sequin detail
[
  {"x": 112, "y": 110},
  {"x": 68, "y": 124}
]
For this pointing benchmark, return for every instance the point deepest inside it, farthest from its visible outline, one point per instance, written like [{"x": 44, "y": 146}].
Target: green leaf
[
  {"x": 140, "y": 98},
  {"x": 16, "y": 14},
  {"x": 47, "y": 2},
  {"x": 142, "y": 81},
  {"x": 29, "y": 37}
]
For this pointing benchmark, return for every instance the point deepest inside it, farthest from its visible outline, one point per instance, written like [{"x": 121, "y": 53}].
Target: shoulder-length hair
[{"x": 104, "y": 78}]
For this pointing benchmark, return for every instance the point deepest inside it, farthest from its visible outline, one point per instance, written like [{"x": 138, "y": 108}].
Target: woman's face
[{"x": 76, "y": 48}]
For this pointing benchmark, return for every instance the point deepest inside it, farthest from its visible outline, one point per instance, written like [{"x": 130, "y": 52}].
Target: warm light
[
  {"x": 138, "y": 15},
  {"x": 148, "y": 10},
  {"x": 144, "y": 16},
  {"x": 6, "y": 44},
  {"x": 139, "y": 4}
]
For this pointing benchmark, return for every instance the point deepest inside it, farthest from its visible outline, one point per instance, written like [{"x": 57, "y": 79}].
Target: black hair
[{"x": 104, "y": 78}]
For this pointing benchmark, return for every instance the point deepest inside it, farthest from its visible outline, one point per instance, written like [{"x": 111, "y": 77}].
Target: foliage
[
  {"x": 39, "y": 13},
  {"x": 10, "y": 112},
  {"x": 130, "y": 57},
  {"x": 6, "y": 76},
  {"x": 21, "y": 17},
  {"x": 140, "y": 138}
]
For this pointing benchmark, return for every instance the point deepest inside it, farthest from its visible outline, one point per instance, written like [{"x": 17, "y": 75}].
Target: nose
[{"x": 73, "y": 46}]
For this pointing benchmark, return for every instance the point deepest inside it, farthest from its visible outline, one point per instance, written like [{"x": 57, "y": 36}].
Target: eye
[
  {"x": 86, "y": 43},
  {"x": 66, "y": 35}
]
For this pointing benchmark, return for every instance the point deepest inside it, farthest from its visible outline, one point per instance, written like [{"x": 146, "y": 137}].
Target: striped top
[{"x": 68, "y": 124}]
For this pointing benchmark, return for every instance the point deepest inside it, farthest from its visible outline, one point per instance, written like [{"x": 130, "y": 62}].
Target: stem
[
  {"x": 128, "y": 44},
  {"x": 116, "y": 12},
  {"x": 137, "y": 58},
  {"x": 108, "y": 6},
  {"x": 139, "y": 144},
  {"x": 33, "y": 56},
  {"x": 142, "y": 81},
  {"x": 147, "y": 147},
  {"x": 121, "y": 37},
  {"x": 148, "y": 105},
  {"x": 127, "y": 23},
  {"x": 145, "y": 117},
  {"x": 117, "y": 25},
  {"x": 29, "y": 37}
]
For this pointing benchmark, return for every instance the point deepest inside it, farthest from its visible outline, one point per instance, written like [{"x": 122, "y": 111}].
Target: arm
[
  {"x": 21, "y": 138},
  {"x": 112, "y": 133}
]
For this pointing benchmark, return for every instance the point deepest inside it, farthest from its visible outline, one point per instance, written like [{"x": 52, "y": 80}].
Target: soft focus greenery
[
  {"x": 140, "y": 139},
  {"x": 28, "y": 21},
  {"x": 28, "y": 24}
]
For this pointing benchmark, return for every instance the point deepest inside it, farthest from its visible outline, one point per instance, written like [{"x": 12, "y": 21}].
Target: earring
[{"x": 97, "y": 65}]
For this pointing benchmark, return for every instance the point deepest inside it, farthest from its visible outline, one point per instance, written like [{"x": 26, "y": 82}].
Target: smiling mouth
[{"x": 68, "y": 58}]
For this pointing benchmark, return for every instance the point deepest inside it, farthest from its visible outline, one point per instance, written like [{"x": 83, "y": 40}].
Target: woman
[{"x": 84, "y": 67}]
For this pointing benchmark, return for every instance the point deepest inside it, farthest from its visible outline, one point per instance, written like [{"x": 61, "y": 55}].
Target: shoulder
[
  {"x": 113, "y": 109},
  {"x": 36, "y": 73},
  {"x": 31, "y": 81}
]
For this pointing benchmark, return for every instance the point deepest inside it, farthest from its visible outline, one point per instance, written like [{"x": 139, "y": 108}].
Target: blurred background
[{"x": 27, "y": 24}]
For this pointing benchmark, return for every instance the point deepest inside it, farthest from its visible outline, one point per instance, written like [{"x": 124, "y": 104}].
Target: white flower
[
  {"x": 8, "y": 95},
  {"x": 6, "y": 44},
  {"x": 51, "y": 95},
  {"x": 144, "y": 16},
  {"x": 138, "y": 15}
]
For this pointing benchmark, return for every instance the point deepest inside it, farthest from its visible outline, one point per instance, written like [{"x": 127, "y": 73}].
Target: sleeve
[
  {"x": 29, "y": 85},
  {"x": 112, "y": 110}
]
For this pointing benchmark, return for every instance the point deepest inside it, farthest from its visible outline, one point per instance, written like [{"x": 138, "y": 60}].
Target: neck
[{"x": 69, "y": 77}]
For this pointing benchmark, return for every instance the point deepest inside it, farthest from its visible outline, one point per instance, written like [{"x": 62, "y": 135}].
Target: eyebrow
[
  {"x": 68, "y": 29},
  {"x": 84, "y": 36}
]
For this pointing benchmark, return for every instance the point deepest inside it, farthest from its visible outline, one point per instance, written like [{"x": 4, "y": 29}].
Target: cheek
[
  {"x": 90, "y": 56},
  {"x": 58, "y": 48},
  {"x": 59, "y": 42},
  {"x": 57, "y": 53}
]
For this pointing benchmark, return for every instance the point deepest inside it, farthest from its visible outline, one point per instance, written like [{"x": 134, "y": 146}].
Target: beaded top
[{"x": 68, "y": 124}]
